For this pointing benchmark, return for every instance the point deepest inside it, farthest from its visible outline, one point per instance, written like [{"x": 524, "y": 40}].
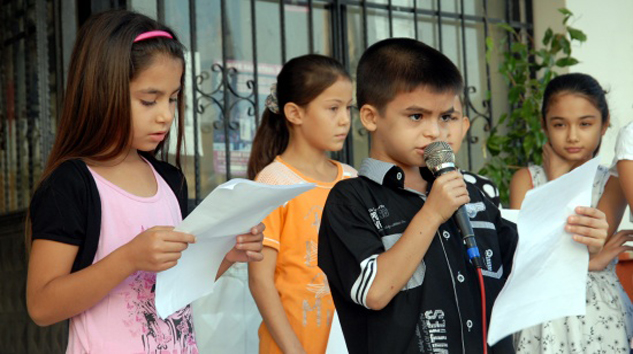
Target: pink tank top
[{"x": 125, "y": 321}]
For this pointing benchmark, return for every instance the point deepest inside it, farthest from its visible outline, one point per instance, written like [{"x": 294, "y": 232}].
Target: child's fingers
[
  {"x": 176, "y": 236},
  {"x": 258, "y": 229},
  {"x": 591, "y": 242},
  {"x": 587, "y": 232},
  {"x": 175, "y": 246},
  {"x": 581, "y": 220},
  {"x": 167, "y": 265},
  {"x": 254, "y": 256},
  {"x": 591, "y": 212},
  {"x": 621, "y": 237},
  {"x": 250, "y": 238},
  {"x": 250, "y": 246}
]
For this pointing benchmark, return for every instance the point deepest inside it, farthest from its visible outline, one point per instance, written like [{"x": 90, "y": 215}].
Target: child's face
[
  {"x": 325, "y": 121},
  {"x": 154, "y": 94},
  {"x": 574, "y": 127},
  {"x": 410, "y": 122},
  {"x": 457, "y": 126}
]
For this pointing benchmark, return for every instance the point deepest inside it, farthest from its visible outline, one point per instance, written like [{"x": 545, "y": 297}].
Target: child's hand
[
  {"x": 589, "y": 227},
  {"x": 158, "y": 248},
  {"x": 611, "y": 249},
  {"x": 553, "y": 164},
  {"x": 248, "y": 247},
  {"x": 447, "y": 194}
]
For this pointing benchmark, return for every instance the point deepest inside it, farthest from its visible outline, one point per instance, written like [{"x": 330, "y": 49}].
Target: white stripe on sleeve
[{"x": 368, "y": 270}]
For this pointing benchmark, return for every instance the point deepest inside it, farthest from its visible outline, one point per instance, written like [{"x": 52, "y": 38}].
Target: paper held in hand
[
  {"x": 549, "y": 273},
  {"x": 232, "y": 209}
]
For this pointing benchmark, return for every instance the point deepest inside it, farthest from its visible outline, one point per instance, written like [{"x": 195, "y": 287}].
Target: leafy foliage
[{"x": 517, "y": 138}]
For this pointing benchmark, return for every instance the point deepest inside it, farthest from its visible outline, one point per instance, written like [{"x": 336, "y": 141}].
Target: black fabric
[
  {"x": 66, "y": 207},
  {"x": 491, "y": 192},
  {"x": 443, "y": 313}
]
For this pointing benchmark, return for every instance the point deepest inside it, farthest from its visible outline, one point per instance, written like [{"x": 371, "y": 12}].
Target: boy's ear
[
  {"x": 466, "y": 126},
  {"x": 293, "y": 113},
  {"x": 368, "y": 116}
]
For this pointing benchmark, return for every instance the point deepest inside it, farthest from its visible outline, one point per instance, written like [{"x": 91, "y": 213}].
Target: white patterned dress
[{"x": 606, "y": 327}]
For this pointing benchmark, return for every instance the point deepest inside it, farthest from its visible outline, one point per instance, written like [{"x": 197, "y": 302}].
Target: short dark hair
[{"x": 399, "y": 65}]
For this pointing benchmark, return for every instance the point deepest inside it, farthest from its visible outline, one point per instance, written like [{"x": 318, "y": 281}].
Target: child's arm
[
  {"x": 625, "y": 172},
  {"x": 519, "y": 186},
  {"x": 613, "y": 203},
  {"x": 261, "y": 282},
  {"x": 54, "y": 293},
  {"x": 396, "y": 265}
]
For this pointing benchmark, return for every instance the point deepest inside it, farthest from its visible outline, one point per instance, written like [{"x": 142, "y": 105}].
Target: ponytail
[{"x": 270, "y": 140}]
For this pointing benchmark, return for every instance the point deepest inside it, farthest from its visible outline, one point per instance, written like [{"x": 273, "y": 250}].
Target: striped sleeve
[{"x": 368, "y": 270}]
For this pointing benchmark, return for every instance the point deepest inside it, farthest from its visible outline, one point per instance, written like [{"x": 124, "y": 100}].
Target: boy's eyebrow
[
  {"x": 426, "y": 111},
  {"x": 417, "y": 109},
  {"x": 450, "y": 111}
]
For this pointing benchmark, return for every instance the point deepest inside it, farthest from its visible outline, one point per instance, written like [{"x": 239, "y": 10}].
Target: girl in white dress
[{"x": 575, "y": 117}]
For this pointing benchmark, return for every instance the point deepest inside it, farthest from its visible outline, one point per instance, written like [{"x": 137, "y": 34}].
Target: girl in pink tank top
[{"x": 102, "y": 218}]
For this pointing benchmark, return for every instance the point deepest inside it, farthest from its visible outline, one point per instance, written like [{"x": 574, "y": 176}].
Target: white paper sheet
[
  {"x": 336, "y": 341},
  {"x": 511, "y": 215},
  {"x": 233, "y": 208},
  {"x": 549, "y": 272}
]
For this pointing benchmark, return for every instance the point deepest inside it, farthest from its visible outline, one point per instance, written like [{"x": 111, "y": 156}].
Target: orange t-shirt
[{"x": 293, "y": 231}]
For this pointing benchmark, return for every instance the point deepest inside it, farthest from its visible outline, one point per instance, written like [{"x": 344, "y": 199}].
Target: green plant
[{"x": 517, "y": 138}]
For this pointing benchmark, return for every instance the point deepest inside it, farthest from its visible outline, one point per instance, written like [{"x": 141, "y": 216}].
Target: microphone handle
[
  {"x": 468, "y": 236},
  {"x": 465, "y": 227}
]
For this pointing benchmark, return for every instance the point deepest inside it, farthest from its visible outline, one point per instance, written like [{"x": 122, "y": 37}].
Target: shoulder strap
[{"x": 537, "y": 174}]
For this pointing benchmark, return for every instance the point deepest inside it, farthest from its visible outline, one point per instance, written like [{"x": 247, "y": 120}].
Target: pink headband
[{"x": 152, "y": 34}]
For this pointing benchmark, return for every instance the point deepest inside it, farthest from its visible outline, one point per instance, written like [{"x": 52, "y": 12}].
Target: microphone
[{"x": 440, "y": 159}]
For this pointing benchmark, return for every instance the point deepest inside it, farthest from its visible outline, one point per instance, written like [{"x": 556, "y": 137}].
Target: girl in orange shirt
[{"x": 307, "y": 115}]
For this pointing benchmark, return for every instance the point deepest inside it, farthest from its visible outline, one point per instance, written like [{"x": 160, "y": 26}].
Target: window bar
[
  {"x": 4, "y": 114},
  {"x": 348, "y": 149},
  {"x": 365, "y": 16},
  {"x": 282, "y": 30},
  {"x": 255, "y": 61},
  {"x": 415, "y": 19},
  {"x": 488, "y": 80},
  {"x": 31, "y": 99},
  {"x": 160, "y": 11},
  {"x": 439, "y": 25},
  {"x": 465, "y": 71},
  {"x": 226, "y": 114},
  {"x": 390, "y": 15},
  {"x": 310, "y": 26},
  {"x": 44, "y": 117},
  {"x": 196, "y": 138},
  {"x": 17, "y": 107}
]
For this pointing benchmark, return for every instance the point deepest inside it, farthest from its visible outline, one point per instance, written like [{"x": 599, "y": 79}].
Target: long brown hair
[
  {"x": 300, "y": 81},
  {"x": 96, "y": 120}
]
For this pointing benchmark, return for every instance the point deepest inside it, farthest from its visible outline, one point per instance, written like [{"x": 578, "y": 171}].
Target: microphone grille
[{"x": 437, "y": 154}]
